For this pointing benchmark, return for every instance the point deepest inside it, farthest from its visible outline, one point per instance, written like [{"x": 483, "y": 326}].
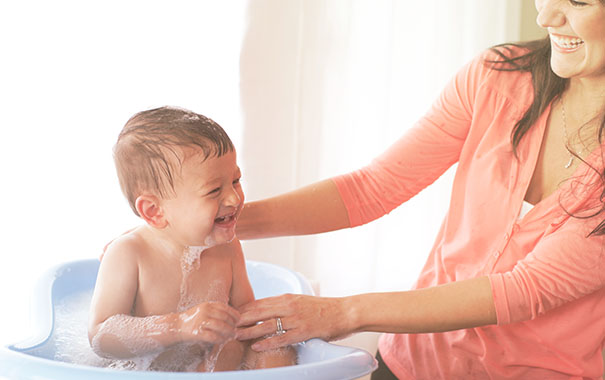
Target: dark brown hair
[
  {"x": 548, "y": 87},
  {"x": 149, "y": 149}
]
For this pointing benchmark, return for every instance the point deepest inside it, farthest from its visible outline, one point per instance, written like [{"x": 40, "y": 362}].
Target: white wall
[{"x": 71, "y": 74}]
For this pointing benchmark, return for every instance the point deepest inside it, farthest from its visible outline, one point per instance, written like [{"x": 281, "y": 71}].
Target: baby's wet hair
[{"x": 151, "y": 149}]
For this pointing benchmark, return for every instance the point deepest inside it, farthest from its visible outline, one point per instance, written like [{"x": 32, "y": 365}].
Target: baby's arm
[
  {"x": 113, "y": 332},
  {"x": 241, "y": 294}
]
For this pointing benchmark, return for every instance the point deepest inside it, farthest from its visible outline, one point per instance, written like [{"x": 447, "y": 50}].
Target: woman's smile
[{"x": 566, "y": 44}]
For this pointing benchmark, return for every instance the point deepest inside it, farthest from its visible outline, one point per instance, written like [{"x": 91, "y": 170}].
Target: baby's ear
[{"x": 150, "y": 210}]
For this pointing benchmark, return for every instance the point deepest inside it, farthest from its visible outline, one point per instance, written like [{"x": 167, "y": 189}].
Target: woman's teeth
[{"x": 567, "y": 42}]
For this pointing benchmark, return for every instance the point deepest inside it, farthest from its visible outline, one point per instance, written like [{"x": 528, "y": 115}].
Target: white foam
[
  {"x": 212, "y": 357},
  {"x": 134, "y": 333},
  {"x": 190, "y": 260}
]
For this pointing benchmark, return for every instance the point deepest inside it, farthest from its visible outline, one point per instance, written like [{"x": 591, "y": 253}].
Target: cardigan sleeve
[
  {"x": 420, "y": 156},
  {"x": 564, "y": 266}
]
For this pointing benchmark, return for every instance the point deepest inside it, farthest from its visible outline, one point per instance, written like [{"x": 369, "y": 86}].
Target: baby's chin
[{"x": 222, "y": 238}]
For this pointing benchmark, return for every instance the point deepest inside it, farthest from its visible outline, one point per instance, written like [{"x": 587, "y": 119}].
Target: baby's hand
[{"x": 208, "y": 322}]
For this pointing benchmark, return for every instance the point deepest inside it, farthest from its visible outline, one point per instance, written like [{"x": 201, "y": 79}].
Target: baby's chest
[{"x": 176, "y": 289}]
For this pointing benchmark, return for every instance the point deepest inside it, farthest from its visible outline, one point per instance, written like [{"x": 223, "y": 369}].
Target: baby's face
[{"x": 209, "y": 199}]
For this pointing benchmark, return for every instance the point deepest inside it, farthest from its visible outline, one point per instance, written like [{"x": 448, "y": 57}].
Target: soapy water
[
  {"x": 71, "y": 335},
  {"x": 71, "y": 343},
  {"x": 190, "y": 260}
]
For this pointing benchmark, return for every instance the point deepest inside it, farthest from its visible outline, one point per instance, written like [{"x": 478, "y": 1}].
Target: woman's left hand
[{"x": 302, "y": 317}]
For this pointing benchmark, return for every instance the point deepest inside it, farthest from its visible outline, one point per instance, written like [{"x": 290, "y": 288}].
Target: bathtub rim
[
  {"x": 353, "y": 362},
  {"x": 31, "y": 366}
]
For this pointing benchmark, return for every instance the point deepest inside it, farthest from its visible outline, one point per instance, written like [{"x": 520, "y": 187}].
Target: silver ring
[{"x": 280, "y": 328}]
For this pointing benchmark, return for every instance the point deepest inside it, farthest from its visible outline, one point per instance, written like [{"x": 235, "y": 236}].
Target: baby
[{"x": 162, "y": 301}]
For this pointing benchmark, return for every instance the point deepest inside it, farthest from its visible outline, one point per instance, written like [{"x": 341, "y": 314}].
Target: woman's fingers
[
  {"x": 303, "y": 317},
  {"x": 263, "y": 309},
  {"x": 276, "y": 341},
  {"x": 256, "y": 331}
]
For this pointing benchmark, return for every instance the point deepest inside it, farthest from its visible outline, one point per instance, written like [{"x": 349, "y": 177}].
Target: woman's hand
[
  {"x": 302, "y": 317},
  {"x": 207, "y": 322}
]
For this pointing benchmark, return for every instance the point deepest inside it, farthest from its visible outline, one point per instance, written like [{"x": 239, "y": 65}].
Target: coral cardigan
[{"x": 547, "y": 276}]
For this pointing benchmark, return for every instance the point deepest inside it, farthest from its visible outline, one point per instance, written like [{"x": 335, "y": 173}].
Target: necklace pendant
[{"x": 569, "y": 162}]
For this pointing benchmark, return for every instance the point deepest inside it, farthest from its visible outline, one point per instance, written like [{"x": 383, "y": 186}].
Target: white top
[{"x": 525, "y": 207}]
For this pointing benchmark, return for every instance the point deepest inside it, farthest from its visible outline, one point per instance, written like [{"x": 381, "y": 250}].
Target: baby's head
[{"x": 181, "y": 166}]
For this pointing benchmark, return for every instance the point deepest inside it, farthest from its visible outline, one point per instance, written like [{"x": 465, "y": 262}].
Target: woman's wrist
[
  {"x": 352, "y": 309},
  {"x": 249, "y": 222}
]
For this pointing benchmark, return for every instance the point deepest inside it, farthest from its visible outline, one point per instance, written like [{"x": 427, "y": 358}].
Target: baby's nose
[{"x": 232, "y": 198}]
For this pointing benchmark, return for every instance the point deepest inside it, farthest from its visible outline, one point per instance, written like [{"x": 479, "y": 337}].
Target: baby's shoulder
[{"x": 126, "y": 247}]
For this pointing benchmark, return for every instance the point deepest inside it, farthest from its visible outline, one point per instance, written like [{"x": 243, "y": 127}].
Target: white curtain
[{"x": 328, "y": 85}]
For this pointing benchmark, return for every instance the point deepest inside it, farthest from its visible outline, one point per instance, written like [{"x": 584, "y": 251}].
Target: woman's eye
[{"x": 577, "y": 3}]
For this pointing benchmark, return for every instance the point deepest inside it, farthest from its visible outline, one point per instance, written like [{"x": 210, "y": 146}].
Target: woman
[{"x": 514, "y": 285}]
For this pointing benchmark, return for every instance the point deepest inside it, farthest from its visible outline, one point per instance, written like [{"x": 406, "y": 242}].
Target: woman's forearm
[
  {"x": 453, "y": 306},
  {"x": 458, "y": 305},
  {"x": 312, "y": 209}
]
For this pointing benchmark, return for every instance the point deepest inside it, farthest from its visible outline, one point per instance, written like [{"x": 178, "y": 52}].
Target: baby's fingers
[
  {"x": 213, "y": 331},
  {"x": 211, "y": 310},
  {"x": 223, "y": 312}
]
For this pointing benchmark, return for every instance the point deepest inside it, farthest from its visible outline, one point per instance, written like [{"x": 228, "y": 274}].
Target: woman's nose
[{"x": 549, "y": 13}]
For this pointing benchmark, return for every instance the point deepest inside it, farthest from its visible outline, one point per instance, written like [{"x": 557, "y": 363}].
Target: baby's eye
[
  {"x": 214, "y": 191},
  {"x": 236, "y": 181}
]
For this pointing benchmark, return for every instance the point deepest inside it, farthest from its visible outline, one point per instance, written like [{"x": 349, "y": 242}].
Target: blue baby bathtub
[{"x": 36, "y": 357}]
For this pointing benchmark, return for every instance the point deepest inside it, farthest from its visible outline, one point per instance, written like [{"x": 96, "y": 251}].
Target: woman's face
[{"x": 577, "y": 35}]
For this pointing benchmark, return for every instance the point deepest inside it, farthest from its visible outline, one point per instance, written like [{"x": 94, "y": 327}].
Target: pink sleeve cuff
[
  {"x": 347, "y": 197},
  {"x": 501, "y": 303}
]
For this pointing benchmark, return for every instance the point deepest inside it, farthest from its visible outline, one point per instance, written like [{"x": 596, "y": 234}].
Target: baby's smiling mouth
[{"x": 225, "y": 219}]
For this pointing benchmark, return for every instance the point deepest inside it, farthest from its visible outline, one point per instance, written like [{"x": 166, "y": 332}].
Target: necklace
[{"x": 571, "y": 155}]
